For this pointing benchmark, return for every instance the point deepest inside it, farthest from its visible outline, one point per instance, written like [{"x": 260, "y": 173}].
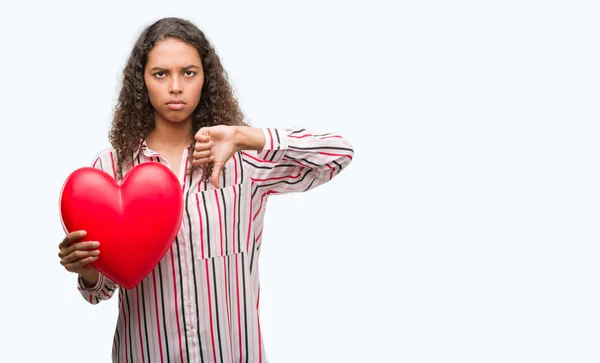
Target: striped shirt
[{"x": 201, "y": 302}]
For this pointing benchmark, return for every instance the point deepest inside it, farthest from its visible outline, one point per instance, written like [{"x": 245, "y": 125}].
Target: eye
[
  {"x": 190, "y": 73},
  {"x": 159, "y": 74}
]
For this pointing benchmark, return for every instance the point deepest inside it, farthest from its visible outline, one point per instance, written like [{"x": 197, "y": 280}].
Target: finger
[
  {"x": 70, "y": 237},
  {"x": 203, "y": 146},
  {"x": 79, "y": 246},
  {"x": 202, "y": 138},
  {"x": 202, "y": 154},
  {"x": 78, "y": 255},
  {"x": 75, "y": 266},
  {"x": 203, "y": 161}
]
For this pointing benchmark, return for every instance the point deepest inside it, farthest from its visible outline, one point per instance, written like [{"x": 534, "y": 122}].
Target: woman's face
[{"x": 174, "y": 79}]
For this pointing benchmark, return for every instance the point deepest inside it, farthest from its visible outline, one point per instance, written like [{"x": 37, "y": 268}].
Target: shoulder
[{"x": 104, "y": 159}]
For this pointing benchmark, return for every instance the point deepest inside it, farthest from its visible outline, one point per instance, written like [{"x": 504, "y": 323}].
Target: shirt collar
[
  {"x": 143, "y": 147},
  {"x": 146, "y": 151}
]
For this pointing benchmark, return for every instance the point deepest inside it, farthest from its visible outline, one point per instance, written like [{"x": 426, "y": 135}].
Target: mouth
[{"x": 175, "y": 104}]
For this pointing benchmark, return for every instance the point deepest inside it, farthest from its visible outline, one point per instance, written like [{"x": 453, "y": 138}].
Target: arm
[{"x": 291, "y": 160}]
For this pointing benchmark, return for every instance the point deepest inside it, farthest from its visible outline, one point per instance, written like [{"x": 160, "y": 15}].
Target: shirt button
[
  {"x": 184, "y": 272},
  {"x": 189, "y": 304}
]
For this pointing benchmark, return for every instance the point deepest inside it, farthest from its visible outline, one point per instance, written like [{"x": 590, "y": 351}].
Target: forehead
[{"x": 173, "y": 53}]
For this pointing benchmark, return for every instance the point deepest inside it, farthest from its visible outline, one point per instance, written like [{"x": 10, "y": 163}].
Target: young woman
[{"x": 201, "y": 302}]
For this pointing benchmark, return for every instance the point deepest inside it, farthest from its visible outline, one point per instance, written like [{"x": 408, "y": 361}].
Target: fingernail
[
  {"x": 95, "y": 244},
  {"x": 96, "y": 252},
  {"x": 82, "y": 233}
]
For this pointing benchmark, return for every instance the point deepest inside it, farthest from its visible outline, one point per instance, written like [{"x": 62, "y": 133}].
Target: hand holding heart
[
  {"x": 214, "y": 144},
  {"x": 77, "y": 257}
]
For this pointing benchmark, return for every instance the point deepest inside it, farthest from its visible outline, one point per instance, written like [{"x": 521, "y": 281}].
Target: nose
[{"x": 175, "y": 86}]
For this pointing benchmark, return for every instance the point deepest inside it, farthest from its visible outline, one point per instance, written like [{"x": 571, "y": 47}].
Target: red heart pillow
[{"x": 135, "y": 222}]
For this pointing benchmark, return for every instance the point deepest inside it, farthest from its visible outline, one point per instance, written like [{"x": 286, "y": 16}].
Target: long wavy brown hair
[{"x": 134, "y": 115}]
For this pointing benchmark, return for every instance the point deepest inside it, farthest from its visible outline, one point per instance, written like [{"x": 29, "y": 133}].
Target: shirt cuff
[{"x": 275, "y": 139}]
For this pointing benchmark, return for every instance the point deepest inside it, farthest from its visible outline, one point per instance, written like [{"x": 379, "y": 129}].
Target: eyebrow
[{"x": 182, "y": 68}]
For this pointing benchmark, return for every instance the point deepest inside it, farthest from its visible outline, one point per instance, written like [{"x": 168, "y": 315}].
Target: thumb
[{"x": 214, "y": 178}]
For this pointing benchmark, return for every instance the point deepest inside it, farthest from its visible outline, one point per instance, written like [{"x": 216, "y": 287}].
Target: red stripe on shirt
[
  {"x": 260, "y": 206},
  {"x": 200, "y": 221},
  {"x": 212, "y": 332},
  {"x": 239, "y": 313},
  {"x": 139, "y": 324},
  {"x": 112, "y": 161},
  {"x": 184, "y": 174},
  {"x": 157, "y": 318},
  {"x": 332, "y": 170},
  {"x": 234, "y": 219},
  {"x": 271, "y": 136},
  {"x": 300, "y": 137},
  {"x": 125, "y": 324},
  {"x": 258, "y": 323},
  {"x": 220, "y": 220},
  {"x": 176, "y": 304},
  {"x": 331, "y": 154},
  {"x": 257, "y": 159},
  {"x": 237, "y": 282},
  {"x": 235, "y": 168},
  {"x": 250, "y": 220},
  {"x": 258, "y": 297},
  {"x": 189, "y": 288},
  {"x": 259, "y": 339},
  {"x": 225, "y": 263},
  {"x": 277, "y": 178}
]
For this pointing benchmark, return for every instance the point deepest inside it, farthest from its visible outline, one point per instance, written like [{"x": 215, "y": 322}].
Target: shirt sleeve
[
  {"x": 296, "y": 160},
  {"x": 104, "y": 288}
]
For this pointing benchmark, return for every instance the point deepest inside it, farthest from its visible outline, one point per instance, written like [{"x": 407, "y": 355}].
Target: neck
[{"x": 170, "y": 135}]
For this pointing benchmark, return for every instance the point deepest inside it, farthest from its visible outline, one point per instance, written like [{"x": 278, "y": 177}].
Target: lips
[{"x": 175, "y": 105}]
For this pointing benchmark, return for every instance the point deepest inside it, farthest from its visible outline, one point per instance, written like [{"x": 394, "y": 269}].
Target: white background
[{"x": 465, "y": 229}]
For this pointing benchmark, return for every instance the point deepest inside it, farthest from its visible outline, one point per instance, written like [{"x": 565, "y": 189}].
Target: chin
[
  {"x": 176, "y": 117},
  {"x": 176, "y": 120}
]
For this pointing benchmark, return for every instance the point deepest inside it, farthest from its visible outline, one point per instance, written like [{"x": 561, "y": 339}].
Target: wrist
[
  {"x": 90, "y": 278},
  {"x": 249, "y": 138}
]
